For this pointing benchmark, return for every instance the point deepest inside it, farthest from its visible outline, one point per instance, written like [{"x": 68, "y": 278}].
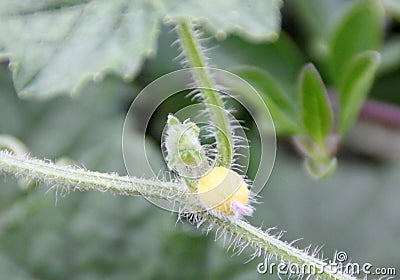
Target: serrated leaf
[
  {"x": 253, "y": 20},
  {"x": 55, "y": 46},
  {"x": 282, "y": 109},
  {"x": 354, "y": 87},
  {"x": 316, "y": 113},
  {"x": 360, "y": 29}
]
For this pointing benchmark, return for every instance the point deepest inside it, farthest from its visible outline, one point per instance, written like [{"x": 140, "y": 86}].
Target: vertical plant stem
[{"x": 211, "y": 97}]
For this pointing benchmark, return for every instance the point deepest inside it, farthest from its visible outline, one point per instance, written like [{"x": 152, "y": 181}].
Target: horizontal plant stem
[
  {"x": 264, "y": 242},
  {"x": 212, "y": 98},
  {"x": 78, "y": 179}
]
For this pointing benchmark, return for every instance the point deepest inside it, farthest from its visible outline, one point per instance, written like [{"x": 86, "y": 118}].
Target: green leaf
[
  {"x": 317, "y": 19},
  {"x": 282, "y": 59},
  {"x": 360, "y": 29},
  {"x": 253, "y": 20},
  {"x": 55, "y": 46},
  {"x": 354, "y": 87},
  {"x": 282, "y": 109},
  {"x": 316, "y": 113},
  {"x": 320, "y": 168}
]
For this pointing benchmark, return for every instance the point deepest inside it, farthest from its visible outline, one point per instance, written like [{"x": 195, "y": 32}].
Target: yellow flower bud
[{"x": 225, "y": 191}]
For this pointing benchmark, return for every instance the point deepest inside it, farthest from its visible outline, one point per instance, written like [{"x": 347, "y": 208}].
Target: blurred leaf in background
[
  {"x": 100, "y": 236},
  {"x": 360, "y": 29},
  {"x": 57, "y": 46},
  {"x": 316, "y": 112},
  {"x": 283, "y": 110},
  {"x": 354, "y": 87}
]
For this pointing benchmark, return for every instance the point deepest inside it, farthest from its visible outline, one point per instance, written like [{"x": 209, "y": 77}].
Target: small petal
[{"x": 239, "y": 210}]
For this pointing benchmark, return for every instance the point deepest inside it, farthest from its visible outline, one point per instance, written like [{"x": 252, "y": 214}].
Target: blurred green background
[{"x": 44, "y": 235}]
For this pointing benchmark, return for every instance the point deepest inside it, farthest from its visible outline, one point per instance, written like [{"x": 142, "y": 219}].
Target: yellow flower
[{"x": 225, "y": 191}]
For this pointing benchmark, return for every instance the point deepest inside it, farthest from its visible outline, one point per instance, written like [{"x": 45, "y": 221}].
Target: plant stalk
[{"x": 211, "y": 97}]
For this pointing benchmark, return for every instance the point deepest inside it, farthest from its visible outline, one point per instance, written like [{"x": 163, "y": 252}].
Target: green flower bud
[{"x": 184, "y": 151}]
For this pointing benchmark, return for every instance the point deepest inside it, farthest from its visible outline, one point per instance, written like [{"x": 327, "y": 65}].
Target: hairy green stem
[
  {"x": 281, "y": 250},
  {"x": 77, "y": 179},
  {"x": 215, "y": 106},
  {"x": 71, "y": 178}
]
